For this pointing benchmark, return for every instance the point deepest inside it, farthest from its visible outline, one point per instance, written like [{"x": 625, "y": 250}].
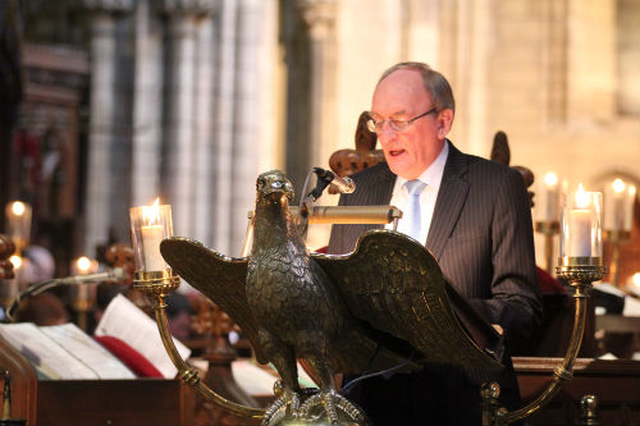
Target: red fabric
[
  {"x": 548, "y": 284},
  {"x": 140, "y": 366}
]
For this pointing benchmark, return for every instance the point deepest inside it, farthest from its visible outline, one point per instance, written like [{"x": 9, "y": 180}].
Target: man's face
[{"x": 402, "y": 96}]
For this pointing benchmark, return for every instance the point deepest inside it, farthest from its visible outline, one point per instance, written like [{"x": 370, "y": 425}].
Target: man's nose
[{"x": 387, "y": 135}]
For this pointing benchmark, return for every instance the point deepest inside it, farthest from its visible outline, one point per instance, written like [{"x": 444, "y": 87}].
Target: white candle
[
  {"x": 614, "y": 206},
  {"x": 579, "y": 223},
  {"x": 629, "y": 204},
  {"x": 152, "y": 235},
  {"x": 547, "y": 204}
]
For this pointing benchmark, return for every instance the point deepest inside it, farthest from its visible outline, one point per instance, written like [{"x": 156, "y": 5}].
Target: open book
[
  {"x": 127, "y": 322},
  {"x": 64, "y": 352}
]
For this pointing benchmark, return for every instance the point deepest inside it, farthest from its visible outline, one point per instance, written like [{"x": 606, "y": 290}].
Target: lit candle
[
  {"x": 83, "y": 265},
  {"x": 614, "y": 208},
  {"x": 547, "y": 204},
  {"x": 83, "y": 296},
  {"x": 579, "y": 227},
  {"x": 629, "y": 205},
  {"x": 18, "y": 215},
  {"x": 152, "y": 236}
]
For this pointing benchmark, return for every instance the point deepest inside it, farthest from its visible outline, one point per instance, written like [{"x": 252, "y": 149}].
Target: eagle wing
[
  {"x": 393, "y": 283},
  {"x": 219, "y": 277}
]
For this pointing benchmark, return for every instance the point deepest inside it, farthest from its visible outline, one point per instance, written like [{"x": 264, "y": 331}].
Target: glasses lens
[{"x": 398, "y": 126}]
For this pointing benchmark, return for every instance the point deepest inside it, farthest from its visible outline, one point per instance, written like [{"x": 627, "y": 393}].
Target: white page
[
  {"x": 92, "y": 354},
  {"x": 255, "y": 380},
  {"x": 127, "y": 322},
  {"x": 44, "y": 353}
]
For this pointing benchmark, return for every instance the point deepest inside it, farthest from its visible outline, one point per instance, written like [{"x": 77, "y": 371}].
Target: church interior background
[
  {"x": 108, "y": 104},
  {"x": 190, "y": 100}
]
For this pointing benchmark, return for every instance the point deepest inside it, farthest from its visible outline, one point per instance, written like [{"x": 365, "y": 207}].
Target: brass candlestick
[
  {"x": 580, "y": 265},
  {"x": 157, "y": 285},
  {"x": 549, "y": 230},
  {"x": 616, "y": 238},
  {"x": 581, "y": 278},
  {"x": 149, "y": 226}
]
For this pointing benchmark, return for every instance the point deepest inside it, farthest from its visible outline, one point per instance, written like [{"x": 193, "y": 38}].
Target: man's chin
[{"x": 399, "y": 168}]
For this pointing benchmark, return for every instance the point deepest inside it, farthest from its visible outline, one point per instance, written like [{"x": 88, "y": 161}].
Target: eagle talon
[
  {"x": 288, "y": 402},
  {"x": 331, "y": 403}
]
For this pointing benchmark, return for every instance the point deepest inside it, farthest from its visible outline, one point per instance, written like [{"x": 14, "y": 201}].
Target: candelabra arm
[
  {"x": 157, "y": 289},
  {"x": 580, "y": 279}
]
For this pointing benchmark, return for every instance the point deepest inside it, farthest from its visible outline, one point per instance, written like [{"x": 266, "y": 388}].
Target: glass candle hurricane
[
  {"x": 581, "y": 235},
  {"x": 83, "y": 296},
  {"x": 18, "y": 218},
  {"x": 149, "y": 226},
  {"x": 548, "y": 200}
]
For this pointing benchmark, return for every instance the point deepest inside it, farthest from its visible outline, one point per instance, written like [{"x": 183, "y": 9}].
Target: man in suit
[{"x": 472, "y": 214}]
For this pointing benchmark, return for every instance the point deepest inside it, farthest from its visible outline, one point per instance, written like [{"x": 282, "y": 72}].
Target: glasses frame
[{"x": 396, "y": 125}]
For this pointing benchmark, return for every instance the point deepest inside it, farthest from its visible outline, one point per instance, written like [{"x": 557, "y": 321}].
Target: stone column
[
  {"x": 248, "y": 117},
  {"x": 179, "y": 120},
  {"x": 203, "y": 136},
  {"x": 103, "y": 62},
  {"x": 319, "y": 16},
  {"x": 224, "y": 120},
  {"x": 147, "y": 108}
]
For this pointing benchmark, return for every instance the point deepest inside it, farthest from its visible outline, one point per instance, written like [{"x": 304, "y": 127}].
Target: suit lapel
[
  {"x": 451, "y": 198},
  {"x": 379, "y": 188}
]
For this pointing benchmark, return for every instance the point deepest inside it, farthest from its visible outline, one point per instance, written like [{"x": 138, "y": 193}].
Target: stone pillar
[
  {"x": 224, "y": 120},
  {"x": 147, "y": 108},
  {"x": 319, "y": 16},
  {"x": 464, "y": 60},
  {"x": 203, "y": 136},
  {"x": 179, "y": 120},
  {"x": 248, "y": 117},
  {"x": 103, "y": 65}
]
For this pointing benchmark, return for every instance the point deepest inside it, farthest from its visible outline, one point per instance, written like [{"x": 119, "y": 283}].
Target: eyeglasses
[{"x": 396, "y": 125}]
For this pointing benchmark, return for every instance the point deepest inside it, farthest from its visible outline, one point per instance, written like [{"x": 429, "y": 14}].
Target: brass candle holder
[
  {"x": 149, "y": 226},
  {"x": 580, "y": 264},
  {"x": 616, "y": 238},
  {"x": 581, "y": 278},
  {"x": 158, "y": 285},
  {"x": 549, "y": 229},
  {"x": 18, "y": 221},
  {"x": 83, "y": 295}
]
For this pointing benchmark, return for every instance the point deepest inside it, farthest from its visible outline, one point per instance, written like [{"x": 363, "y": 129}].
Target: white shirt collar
[{"x": 432, "y": 177}]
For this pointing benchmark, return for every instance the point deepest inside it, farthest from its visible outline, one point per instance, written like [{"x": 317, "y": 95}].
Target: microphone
[
  {"x": 345, "y": 185},
  {"x": 112, "y": 275}
]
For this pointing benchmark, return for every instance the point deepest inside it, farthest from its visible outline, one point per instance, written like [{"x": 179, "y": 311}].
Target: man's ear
[{"x": 445, "y": 120}]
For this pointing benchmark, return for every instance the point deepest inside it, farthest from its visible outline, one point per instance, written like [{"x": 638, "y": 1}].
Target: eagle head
[{"x": 273, "y": 186}]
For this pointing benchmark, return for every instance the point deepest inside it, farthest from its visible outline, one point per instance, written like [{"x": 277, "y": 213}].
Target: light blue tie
[{"x": 414, "y": 188}]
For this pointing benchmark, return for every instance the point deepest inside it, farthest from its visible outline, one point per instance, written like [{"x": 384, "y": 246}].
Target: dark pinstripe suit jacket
[{"x": 481, "y": 235}]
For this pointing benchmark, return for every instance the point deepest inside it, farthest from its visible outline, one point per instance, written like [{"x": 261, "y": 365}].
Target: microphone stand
[{"x": 114, "y": 275}]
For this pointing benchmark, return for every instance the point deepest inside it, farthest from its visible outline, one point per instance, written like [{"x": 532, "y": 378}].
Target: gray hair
[{"x": 435, "y": 83}]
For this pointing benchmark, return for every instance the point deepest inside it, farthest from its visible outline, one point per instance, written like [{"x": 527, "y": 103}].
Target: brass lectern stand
[{"x": 158, "y": 286}]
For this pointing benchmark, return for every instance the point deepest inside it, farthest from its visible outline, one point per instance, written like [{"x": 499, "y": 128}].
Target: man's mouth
[{"x": 396, "y": 152}]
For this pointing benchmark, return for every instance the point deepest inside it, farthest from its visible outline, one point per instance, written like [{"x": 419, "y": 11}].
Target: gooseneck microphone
[
  {"x": 112, "y": 275},
  {"x": 345, "y": 185}
]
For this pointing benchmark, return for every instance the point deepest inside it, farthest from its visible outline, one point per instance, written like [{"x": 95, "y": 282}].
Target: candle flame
[
  {"x": 632, "y": 190},
  {"x": 551, "y": 179},
  {"x": 582, "y": 197},
  {"x": 16, "y": 261},
  {"x": 618, "y": 185},
  {"x": 18, "y": 208},
  {"x": 83, "y": 264},
  {"x": 636, "y": 280},
  {"x": 151, "y": 214}
]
